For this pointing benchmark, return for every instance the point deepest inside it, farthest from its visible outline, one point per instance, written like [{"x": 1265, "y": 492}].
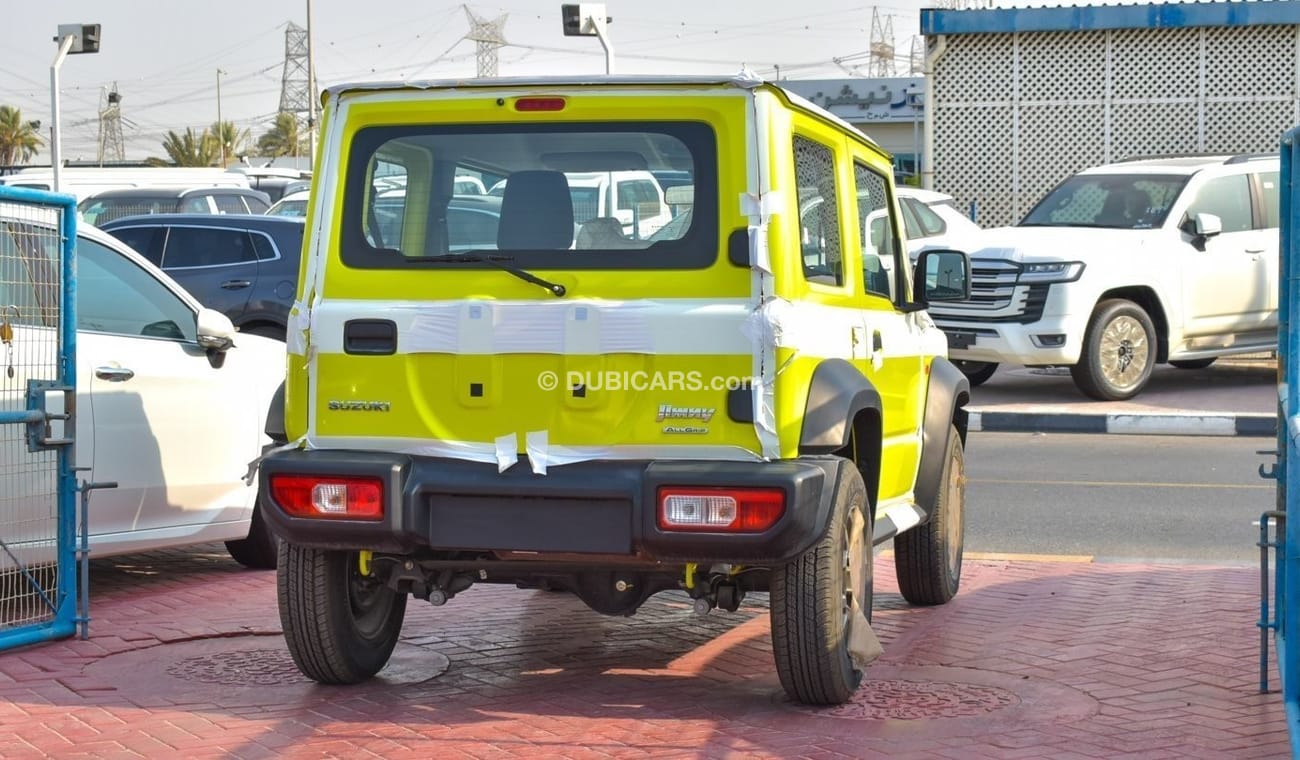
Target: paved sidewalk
[
  {"x": 1034, "y": 659},
  {"x": 1234, "y": 396}
]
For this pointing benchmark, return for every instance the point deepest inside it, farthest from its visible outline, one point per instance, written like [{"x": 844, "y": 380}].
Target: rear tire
[
  {"x": 340, "y": 626},
  {"x": 1119, "y": 352},
  {"x": 1192, "y": 363},
  {"x": 811, "y": 598},
  {"x": 260, "y": 551},
  {"x": 928, "y": 557},
  {"x": 976, "y": 372}
]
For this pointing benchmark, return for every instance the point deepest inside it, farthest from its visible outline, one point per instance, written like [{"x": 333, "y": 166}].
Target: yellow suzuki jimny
[{"x": 670, "y": 340}]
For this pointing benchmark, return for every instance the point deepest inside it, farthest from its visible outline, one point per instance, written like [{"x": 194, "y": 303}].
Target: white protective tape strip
[
  {"x": 588, "y": 327},
  {"x": 535, "y": 445},
  {"x": 506, "y": 449}
]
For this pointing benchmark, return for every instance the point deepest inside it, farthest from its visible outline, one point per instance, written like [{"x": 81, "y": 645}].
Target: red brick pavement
[{"x": 1032, "y": 660}]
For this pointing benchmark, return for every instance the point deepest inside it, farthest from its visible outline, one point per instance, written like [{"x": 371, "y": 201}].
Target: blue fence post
[
  {"x": 1288, "y": 565},
  {"x": 48, "y": 221}
]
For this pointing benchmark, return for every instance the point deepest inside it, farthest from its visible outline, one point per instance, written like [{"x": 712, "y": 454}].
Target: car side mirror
[
  {"x": 941, "y": 275},
  {"x": 216, "y": 331},
  {"x": 1207, "y": 225}
]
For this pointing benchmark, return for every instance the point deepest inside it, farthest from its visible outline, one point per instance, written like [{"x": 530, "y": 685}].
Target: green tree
[
  {"x": 283, "y": 139},
  {"x": 19, "y": 139},
  {"x": 188, "y": 149},
  {"x": 235, "y": 139}
]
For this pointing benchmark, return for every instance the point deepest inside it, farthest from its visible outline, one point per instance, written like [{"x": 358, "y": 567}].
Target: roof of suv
[
  {"x": 240, "y": 221},
  {"x": 175, "y": 191},
  {"x": 1174, "y": 164}
]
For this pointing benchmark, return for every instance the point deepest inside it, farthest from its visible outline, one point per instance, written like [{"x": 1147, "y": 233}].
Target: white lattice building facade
[{"x": 1021, "y": 98}]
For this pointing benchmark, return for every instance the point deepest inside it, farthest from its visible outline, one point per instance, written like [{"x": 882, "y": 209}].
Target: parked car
[
  {"x": 292, "y": 205},
  {"x": 1127, "y": 265},
  {"x": 472, "y": 221},
  {"x": 171, "y": 402},
  {"x": 112, "y": 204},
  {"x": 245, "y": 266},
  {"x": 932, "y": 220}
]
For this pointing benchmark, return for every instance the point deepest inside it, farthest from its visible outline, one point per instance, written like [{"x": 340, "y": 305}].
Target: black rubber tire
[
  {"x": 927, "y": 558},
  {"x": 1108, "y": 338},
  {"x": 321, "y": 593},
  {"x": 260, "y": 551},
  {"x": 1192, "y": 363},
  {"x": 266, "y": 331},
  {"x": 808, "y": 599},
  {"x": 976, "y": 372}
]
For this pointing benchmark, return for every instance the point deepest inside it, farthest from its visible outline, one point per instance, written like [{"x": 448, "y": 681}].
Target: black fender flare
[
  {"x": 945, "y": 408},
  {"x": 275, "y": 416},
  {"x": 837, "y": 392}
]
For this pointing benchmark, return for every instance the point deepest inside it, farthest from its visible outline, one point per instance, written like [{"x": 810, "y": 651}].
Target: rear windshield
[{"x": 559, "y": 196}]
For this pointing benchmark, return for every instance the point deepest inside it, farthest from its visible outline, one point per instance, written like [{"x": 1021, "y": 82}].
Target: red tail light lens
[
  {"x": 720, "y": 510},
  {"x": 329, "y": 496},
  {"x": 539, "y": 104}
]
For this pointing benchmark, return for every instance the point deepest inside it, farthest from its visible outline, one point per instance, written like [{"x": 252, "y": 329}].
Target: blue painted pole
[{"x": 1288, "y": 349}]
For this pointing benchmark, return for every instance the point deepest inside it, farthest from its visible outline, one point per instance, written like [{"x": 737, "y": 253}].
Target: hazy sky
[{"x": 164, "y": 56}]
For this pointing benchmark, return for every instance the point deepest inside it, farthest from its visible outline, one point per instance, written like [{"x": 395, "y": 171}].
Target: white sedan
[
  {"x": 932, "y": 220},
  {"x": 171, "y": 403}
]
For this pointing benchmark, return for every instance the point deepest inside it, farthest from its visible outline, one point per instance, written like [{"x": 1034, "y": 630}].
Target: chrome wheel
[
  {"x": 1124, "y": 352},
  {"x": 954, "y": 527}
]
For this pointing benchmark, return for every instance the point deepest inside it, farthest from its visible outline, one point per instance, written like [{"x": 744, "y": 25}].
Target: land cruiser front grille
[{"x": 996, "y": 296}]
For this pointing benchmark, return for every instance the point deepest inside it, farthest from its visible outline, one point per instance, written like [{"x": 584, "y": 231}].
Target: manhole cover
[
  {"x": 901, "y": 699},
  {"x": 243, "y": 667}
]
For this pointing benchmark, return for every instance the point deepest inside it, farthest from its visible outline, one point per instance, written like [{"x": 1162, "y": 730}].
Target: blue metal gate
[{"x": 38, "y": 519}]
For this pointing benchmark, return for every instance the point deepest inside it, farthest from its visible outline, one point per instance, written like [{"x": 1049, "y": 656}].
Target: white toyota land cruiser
[{"x": 1126, "y": 265}]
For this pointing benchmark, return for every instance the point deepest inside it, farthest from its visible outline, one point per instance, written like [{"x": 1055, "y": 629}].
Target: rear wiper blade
[{"x": 500, "y": 262}]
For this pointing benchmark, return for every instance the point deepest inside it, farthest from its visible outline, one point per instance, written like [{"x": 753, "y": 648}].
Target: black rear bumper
[{"x": 590, "y": 508}]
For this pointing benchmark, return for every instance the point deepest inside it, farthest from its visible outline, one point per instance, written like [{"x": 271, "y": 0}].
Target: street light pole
[
  {"x": 72, "y": 38},
  {"x": 311, "y": 95},
  {"x": 56, "y": 157},
  {"x": 221, "y": 128}
]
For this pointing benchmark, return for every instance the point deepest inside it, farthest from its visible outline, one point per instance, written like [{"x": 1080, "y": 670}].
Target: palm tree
[
  {"x": 188, "y": 149},
  {"x": 19, "y": 139},
  {"x": 235, "y": 139},
  {"x": 284, "y": 139}
]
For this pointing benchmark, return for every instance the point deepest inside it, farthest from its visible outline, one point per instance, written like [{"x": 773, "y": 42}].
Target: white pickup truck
[{"x": 1124, "y": 266}]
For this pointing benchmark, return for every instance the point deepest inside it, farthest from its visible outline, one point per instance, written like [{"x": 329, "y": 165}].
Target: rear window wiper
[{"x": 500, "y": 262}]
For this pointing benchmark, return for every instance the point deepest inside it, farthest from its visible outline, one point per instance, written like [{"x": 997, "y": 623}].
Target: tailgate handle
[{"x": 375, "y": 337}]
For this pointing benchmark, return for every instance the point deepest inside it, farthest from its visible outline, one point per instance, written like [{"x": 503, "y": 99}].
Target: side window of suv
[
  {"x": 255, "y": 205},
  {"x": 928, "y": 223},
  {"x": 819, "y": 216},
  {"x": 878, "y": 248},
  {"x": 1227, "y": 198},
  {"x": 206, "y": 247},
  {"x": 1268, "y": 196},
  {"x": 230, "y": 204},
  {"x": 196, "y": 204}
]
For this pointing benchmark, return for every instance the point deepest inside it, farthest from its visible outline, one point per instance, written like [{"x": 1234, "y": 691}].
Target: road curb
[{"x": 1257, "y": 425}]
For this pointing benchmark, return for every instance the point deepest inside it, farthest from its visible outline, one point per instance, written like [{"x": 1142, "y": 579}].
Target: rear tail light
[
  {"x": 329, "y": 496},
  {"x": 720, "y": 510}
]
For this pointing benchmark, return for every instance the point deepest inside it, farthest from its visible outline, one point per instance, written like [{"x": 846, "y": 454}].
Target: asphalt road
[{"x": 1117, "y": 497}]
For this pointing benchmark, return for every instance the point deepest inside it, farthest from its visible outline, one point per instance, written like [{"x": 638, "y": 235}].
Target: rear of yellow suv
[{"x": 512, "y": 391}]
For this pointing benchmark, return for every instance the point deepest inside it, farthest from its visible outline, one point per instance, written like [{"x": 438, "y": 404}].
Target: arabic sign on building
[{"x": 862, "y": 99}]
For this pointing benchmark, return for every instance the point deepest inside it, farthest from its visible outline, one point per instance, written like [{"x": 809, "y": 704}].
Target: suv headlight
[{"x": 1051, "y": 271}]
